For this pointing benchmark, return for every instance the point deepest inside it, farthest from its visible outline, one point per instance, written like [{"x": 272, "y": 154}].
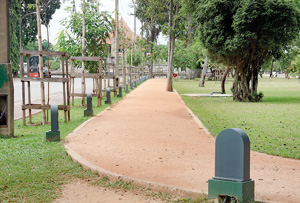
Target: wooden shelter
[{"x": 26, "y": 79}]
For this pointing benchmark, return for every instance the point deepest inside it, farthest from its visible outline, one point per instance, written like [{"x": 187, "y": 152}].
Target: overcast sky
[{"x": 125, "y": 11}]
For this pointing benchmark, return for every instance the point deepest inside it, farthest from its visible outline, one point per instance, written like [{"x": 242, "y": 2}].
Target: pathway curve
[{"x": 152, "y": 139}]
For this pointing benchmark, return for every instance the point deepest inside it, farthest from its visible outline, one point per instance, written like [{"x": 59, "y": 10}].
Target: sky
[{"x": 125, "y": 10}]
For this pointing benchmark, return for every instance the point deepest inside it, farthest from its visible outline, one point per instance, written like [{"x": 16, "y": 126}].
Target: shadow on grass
[{"x": 281, "y": 100}]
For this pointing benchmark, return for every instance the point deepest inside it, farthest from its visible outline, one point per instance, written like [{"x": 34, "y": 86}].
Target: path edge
[{"x": 156, "y": 187}]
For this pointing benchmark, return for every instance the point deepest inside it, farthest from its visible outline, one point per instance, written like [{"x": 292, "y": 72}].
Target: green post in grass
[
  {"x": 54, "y": 134},
  {"x": 232, "y": 168},
  {"x": 89, "y": 110}
]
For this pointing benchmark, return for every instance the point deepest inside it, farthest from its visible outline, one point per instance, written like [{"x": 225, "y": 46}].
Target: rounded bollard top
[
  {"x": 108, "y": 89},
  {"x": 232, "y": 155}
]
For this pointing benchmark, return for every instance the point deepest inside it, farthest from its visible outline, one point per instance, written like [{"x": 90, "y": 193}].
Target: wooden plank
[
  {"x": 86, "y": 58},
  {"x": 46, "y": 107},
  {"x": 86, "y": 75},
  {"x": 43, "y": 53},
  {"x": 29, "y": 79}
]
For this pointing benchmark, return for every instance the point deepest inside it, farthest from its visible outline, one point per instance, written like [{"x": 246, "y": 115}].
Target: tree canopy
[
  {"x": 20, "y": 15},
  {"x": 98, "y": 27},
  {"x": 243, "y": 32}
]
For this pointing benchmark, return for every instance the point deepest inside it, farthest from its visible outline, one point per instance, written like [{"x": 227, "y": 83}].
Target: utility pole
[
  {"x": 38, "y": 16},
  {"x": 82, "y": 51},
  {"x": 117, "y": 39}
]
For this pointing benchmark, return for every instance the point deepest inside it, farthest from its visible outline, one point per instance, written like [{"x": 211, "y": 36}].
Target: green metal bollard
[
  {"x": 54, "y": 134},
  {"x": 89, "y": 111},
  {"x": 127, "y": 91},
  {"x": 120, "y": 91},
  {"x": 108, "y": 99},
  {"x": 232, "y": 168}
]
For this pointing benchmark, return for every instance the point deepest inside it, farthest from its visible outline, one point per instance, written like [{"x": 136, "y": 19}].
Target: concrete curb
[{"x": 157, "y": 187}]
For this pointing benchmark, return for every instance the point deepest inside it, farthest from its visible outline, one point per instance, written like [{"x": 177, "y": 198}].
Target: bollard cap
[
  {"x": 232, "y": 156},
  {"x": 108, "y": 89}
]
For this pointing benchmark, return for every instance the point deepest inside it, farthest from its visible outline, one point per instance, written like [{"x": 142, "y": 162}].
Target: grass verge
[
  {"x": 31, "y": 169},
  {"x": 272, "y": 124}
]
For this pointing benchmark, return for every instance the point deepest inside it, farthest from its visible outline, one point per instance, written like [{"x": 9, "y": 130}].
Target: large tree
[{"x": 243, "y": 33}]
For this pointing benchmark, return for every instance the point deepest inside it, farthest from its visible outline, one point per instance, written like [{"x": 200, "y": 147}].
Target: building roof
[{"x": 125, "y": 33}]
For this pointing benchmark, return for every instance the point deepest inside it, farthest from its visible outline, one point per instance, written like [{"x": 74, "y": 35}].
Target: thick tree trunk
[
  {"x": 224, "y": 79},
  {"x": 245, "y": 85},
  {"x": 172, "y": 24},
  {"x": 203, "y": 75},
  {"x": 170, "y": 65},
  {"x": 271, "y": 73}
]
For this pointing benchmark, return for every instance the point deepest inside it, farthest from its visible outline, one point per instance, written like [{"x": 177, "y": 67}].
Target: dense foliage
[
  {"x": 22, "y": 13},
  {"x": 243, "y": 32},
  {"x": 98, "y": 26}
]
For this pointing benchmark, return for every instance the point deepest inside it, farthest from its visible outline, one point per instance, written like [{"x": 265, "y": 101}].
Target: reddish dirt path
[{"x": 152, "y": 138}]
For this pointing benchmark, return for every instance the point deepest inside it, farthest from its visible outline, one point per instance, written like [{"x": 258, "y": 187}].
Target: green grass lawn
[
  {"x": 31, "y": 169},
  {"x": 272, "y": 124}
]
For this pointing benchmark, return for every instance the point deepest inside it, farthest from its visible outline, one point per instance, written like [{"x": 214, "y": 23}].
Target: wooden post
[
  {"x": 82, "y": 52},
  {"x": 41, "y": 60},
  {"x": 73, "y": 80},
  {"x": 64, "y": 86},
  {"x": 23, "y": 88},
  {"x": 100, "y": 82},
  {"x": 117, "y": 38},
  {"x": 68, "y": 90},
  {"x": 29, "y": 92}
]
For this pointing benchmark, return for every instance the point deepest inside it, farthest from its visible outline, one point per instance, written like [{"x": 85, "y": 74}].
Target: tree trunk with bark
[
  {"x": 271, "y": 72},
  {"x": 245, "y": 84},
  {"x": 172, "y": 24},
  {"x": 224, "y": 79},
  {"x": 203, "y": 74}
]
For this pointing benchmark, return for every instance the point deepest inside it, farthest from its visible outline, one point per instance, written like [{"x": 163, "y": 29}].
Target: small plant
[{"x": 256, "y": 97}]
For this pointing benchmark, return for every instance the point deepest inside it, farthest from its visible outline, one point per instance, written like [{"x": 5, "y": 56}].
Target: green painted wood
[{"x": 4, "y": 77}]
